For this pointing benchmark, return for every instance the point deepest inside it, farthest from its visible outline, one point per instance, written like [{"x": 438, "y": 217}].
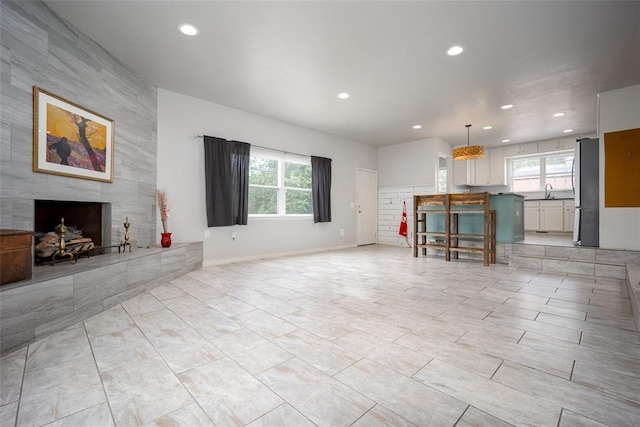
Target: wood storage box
[{"x": 16, "y": 255}]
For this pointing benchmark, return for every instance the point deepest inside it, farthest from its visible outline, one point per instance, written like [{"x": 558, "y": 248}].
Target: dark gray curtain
[
  {"x": 226, "y": 171},
  {"x": 321, "y": 188}
]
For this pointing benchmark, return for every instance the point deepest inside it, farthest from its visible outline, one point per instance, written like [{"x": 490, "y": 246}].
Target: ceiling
[{"x": 289, "y": 60}]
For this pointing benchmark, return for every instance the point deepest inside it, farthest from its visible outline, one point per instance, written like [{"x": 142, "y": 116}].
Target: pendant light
[{"x": 469, "y": 152}]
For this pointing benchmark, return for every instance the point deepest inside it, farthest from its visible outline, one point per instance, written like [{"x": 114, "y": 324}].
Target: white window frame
[
  {"x": 543, "y": 173},
  {"x": 282, "y": 190}
]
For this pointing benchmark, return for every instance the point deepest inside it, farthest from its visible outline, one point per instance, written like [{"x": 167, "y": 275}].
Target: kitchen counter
[
  {"x": 543, "y": 199},
  {"x": 509, "y": 209}
]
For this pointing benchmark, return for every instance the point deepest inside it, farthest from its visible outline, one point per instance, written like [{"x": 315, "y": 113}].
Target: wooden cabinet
[
  {"x": 16, "y": 259},
  {"x": 552, "y": 215},
  {"x": 531, "y": 215},
  {"x": 497, "y": 166}
]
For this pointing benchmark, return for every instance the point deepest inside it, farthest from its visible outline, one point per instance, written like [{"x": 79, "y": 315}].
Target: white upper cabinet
[
  {"x": 557, "y": 144},
  {"x": 521, "y": 149},
  {"x": 483, "y": 170},
  {"x": 472, "y": 172},
  {"x": 497, "y": 175}
]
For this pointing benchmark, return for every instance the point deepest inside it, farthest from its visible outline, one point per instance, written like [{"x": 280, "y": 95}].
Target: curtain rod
[{"x": 196, "y": 136}]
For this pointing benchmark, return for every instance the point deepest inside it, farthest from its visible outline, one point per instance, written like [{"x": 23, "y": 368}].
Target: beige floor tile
[
  {"x": 474, "y": 417},
  {"x": 159, "y": 322},
  {"x": 113, "y": 320},
  {"x": 187, "y": 416},
  {"x": 617, "y": 363},
  {"x": 317, "y": 325},
  {"x": 58, "y": 348},
  {"x": 316, "y": 395},
  {"x": 11, "y": 371},
  {"x": 619, "y": 385},
  {"x": 143, "y": 303},
  {"x": 121, "y": 348},
  {"x": 405, "y": 396},
  {"x": 206, "y": 320},
  {"x": 571, "y": 419},
  {"x": 379, "y": 416},
  {"x": 251, "y": 351},
  {"x": 59, "y": 390},
  {"x": 228, "y": 394},
  {"x": 141, "y": 392},
  {"x": 185, "y": 349},
  {"x": 574, "y": 397},
  {"x": 554, "y": 364},
  {"x": 503, "y": 402},
  {"x": 230, "y": 306},
  {"x": 9, "y": 414},
  {"x": 283, "y": 415},
  {"x": 166, "y": 291},
  {"x": 319, "y": 353},
  {"x": 265, "y": 324},
  {"x": 96, "y": 416},
  {"x": 391, "y": 355}
]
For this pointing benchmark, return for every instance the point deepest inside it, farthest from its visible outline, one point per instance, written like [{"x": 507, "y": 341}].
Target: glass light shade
[{"x": 469, "y": 152}]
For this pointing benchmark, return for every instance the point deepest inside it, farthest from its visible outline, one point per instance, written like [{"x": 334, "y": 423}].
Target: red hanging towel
[{"x": 403, "y": 222}]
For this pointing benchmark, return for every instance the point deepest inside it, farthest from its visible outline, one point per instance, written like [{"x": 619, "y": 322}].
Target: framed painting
[{"x": 71, "y": 140}]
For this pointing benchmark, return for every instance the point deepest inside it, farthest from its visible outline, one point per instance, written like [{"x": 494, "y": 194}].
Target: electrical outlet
[
  {"x": 342, "y": 232},
  {"x": 234, "y": 235},
  {"x": 207, "y": 233}
]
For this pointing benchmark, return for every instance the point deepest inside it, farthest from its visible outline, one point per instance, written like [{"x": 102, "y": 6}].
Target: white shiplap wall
[{"x": 390, "y": 211}]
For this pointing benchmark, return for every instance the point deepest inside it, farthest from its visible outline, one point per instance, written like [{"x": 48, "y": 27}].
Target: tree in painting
[{"x": 75, "y": 140}]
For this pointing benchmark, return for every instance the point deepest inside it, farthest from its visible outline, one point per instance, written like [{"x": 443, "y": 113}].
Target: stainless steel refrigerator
[{"x": 586, "y": 229}]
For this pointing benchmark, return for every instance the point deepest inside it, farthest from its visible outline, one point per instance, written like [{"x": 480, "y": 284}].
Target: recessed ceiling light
[
  {"x": 506, "y": 140},
  {"x": 343, "y": 95},
  {"x": 558, "y": 115},
  {"x": 487, "y": 127},
  {"x": 188, "y": 29},
  {"x": 567, "y": 130},
  {"x": 507, "y": 106},
  {"x": 454, "y": 50},
  {"x": 417, "y": 126}
]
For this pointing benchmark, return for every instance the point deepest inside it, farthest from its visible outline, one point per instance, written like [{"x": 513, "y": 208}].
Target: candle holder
[
  {"x": 125, "y": 243},
  {"x": 61, "y": 252}
]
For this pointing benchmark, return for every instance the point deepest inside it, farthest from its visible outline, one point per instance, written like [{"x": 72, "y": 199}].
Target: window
[
  {"x": 535, "y": 172},
  {"x": 279, "y": 186}
]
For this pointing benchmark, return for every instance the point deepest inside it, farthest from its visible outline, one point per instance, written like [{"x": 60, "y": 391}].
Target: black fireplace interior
[{"x": 87, "y": 216}]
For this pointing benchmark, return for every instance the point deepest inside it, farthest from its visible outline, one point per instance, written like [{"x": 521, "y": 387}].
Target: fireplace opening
[{"x": 86, "y": 221}]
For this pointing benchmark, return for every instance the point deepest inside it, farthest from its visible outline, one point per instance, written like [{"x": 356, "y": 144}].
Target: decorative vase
[{"x": 165, "y": 241}]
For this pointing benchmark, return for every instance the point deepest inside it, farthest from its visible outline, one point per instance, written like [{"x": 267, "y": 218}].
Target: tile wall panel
[{"x": 39, "y": 49}]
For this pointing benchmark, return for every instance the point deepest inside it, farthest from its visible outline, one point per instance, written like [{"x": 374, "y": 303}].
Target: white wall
[
  {"x": 411, "y": 163},
  {"x": 390, "y": 201},
  {"x": 618, "y": 110},
  {"x": 181, "y": 174}
]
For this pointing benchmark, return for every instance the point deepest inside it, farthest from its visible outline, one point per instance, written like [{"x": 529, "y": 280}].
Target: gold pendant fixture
[{"x": 469, "y": 152}]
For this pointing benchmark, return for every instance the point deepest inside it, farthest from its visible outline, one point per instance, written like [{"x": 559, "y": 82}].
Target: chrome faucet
[{"x": 547, "y": 193}]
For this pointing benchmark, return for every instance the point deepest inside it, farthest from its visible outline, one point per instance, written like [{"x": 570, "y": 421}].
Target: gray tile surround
[
  {"x": 38, "y": 49},
  {"x": 45, "y": 304}
]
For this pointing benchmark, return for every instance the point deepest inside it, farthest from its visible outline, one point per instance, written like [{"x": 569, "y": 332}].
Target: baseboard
[{"x": 207, "y": 263}]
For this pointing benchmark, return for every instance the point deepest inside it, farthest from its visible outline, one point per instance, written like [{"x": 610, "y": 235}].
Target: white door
[{"x": 366, "y": 207}]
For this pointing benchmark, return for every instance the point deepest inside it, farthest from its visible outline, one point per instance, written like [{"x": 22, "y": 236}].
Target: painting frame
[{"x": 71, "y": 140}]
